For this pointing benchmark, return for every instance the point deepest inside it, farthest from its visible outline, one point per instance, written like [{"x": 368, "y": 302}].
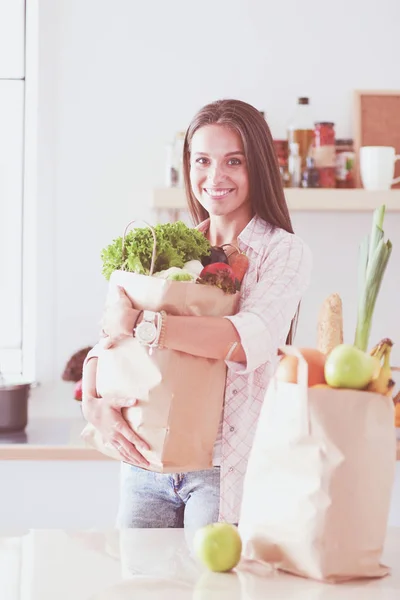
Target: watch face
[{"x": 146, "y": 332}]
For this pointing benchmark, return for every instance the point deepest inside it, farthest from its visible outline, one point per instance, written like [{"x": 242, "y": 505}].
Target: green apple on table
[{"x": 218, "y": 546}]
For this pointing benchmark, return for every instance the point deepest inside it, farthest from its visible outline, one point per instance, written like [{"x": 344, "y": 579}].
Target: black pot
[{"x": 14, "y": 406}]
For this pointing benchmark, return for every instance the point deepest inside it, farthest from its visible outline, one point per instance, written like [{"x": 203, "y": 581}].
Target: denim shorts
[{"x": 159, "y": 500}]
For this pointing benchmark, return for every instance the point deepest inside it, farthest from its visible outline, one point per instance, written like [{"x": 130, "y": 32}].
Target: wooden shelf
[{"x": 357, "y": 200}]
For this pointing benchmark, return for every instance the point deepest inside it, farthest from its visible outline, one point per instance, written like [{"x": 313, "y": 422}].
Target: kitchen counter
[
  {"x": 48, "y": 439},
  {"x": 58, "y": 439},
  {"x": 157, "y": 564}
]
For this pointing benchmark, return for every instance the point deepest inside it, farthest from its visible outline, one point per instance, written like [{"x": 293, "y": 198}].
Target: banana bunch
[{"x": 382, "y": 382}]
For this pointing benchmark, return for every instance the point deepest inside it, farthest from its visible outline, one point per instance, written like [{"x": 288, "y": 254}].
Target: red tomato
[{"x": 217, "y": 268}]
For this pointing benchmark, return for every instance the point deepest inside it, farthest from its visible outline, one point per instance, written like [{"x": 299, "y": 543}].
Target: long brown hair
[{"x": 265, "y": 185}]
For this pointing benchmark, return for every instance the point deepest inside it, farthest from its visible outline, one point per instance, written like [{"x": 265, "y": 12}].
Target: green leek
[{"x": 373, "y": 259}]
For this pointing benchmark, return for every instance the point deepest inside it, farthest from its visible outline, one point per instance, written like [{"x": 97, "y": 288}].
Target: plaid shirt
[{"x": 278, "y": 274}]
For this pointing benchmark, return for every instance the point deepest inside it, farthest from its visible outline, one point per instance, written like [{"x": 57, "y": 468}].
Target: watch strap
[{"x": 136, "y": 322}]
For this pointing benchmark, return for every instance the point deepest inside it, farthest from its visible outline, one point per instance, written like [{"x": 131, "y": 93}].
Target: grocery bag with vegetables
[
  {"x": 169, "y": 267},
  {"x": 318, "y": 486}
]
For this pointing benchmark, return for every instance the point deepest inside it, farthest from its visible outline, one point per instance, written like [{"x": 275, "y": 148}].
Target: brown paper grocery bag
[
  {"x": 180, "y": 395},
  {"x": 318, "y": 485}
]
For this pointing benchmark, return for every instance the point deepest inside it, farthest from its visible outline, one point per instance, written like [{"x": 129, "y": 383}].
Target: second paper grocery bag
[{"x": 319, "y": 480}]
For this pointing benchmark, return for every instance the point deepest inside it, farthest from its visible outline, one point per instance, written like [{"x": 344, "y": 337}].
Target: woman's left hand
[{"x": 118, "y": 319}]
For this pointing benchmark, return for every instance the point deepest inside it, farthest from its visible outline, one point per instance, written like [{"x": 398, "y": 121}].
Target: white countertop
[
  {"x": 48, "y": 439},
  {"x": 157, "y": 564}
]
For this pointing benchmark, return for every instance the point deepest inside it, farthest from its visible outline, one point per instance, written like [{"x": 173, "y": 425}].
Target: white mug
[{"x": 377, "y": 167}]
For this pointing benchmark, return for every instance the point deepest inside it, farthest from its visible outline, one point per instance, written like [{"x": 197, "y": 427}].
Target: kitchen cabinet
[
  {"x": 50, "y": 479},
  {"x": 12, "y": 39},
  {"x": 53, "y": 494},
  {"x": 77, "y": 494}
]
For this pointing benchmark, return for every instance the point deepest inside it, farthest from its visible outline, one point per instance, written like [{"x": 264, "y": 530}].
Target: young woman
[{"x": 235, "y": 196}]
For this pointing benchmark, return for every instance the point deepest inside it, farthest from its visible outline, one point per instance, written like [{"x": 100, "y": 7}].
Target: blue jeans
[{"x": 149, "y": 499}]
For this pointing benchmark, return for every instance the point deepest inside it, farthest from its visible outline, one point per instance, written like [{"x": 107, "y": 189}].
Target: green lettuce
[{"x": 176, "y": 244}]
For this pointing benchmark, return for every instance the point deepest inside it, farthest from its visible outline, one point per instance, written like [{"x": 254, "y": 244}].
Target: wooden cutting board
[{"x": 376, "y": 123}]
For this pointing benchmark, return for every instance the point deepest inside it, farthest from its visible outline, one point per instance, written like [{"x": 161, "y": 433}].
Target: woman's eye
[
  {"x": 234, "y": 161},
  {"x": 201, "y": 161}
]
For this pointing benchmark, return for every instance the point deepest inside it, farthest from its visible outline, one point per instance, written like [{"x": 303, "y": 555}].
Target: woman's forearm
[{"x": 209, "y": 337}]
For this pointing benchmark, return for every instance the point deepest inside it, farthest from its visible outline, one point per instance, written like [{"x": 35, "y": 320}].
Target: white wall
[{"x": 118, "y": 78}]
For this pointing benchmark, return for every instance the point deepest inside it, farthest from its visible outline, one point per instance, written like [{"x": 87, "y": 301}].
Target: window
[
  {"x": 11, "y": 195},
  {"x": 12, "y": 92}
]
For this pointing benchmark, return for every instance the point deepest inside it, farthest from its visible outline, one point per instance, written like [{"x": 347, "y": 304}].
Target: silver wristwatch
[{"x": 147, "y": 332}]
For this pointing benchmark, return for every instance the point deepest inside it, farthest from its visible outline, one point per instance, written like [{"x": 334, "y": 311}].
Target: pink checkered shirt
[{"x": 278, "y": 274}]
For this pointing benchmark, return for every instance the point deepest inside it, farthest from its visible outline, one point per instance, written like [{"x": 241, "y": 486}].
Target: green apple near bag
[{"x": 351, "y": 368}]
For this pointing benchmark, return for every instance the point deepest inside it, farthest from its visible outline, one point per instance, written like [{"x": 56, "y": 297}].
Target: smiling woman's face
[{"x": 218, "y": 170}]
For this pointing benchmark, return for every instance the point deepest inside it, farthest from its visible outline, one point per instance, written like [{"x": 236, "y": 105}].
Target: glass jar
[
  {"x": 345, "y": 158},
  {"x": 281, "y": 151},
  {"x": 324, "y": 134},
  {"x": 310, "y": 177},
  {"x": 327, "y": 177},
  {"x": 301, "y": 128},
  {"x": 324, "y": 153},
  {"x": 294, "y": 163}
]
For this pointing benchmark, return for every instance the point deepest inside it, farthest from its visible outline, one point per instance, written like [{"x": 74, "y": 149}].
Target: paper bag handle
[
  {"x": 235, "y": 248},
  {"x": 302, "y": 382},
  {"x": 153, "y": 256}
]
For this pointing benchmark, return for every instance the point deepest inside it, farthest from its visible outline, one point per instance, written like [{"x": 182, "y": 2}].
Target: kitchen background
[
  {"x": 117, "y": 80},
  {"x": 105, "y": 86}
]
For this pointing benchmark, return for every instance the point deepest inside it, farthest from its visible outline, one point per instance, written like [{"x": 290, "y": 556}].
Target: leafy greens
[{"x": 176, "y": 244}]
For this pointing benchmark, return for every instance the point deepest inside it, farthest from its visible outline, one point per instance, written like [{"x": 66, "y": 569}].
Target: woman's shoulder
[
  {"x": 286, "y": 255},
  {"x": 278, "y": 240}
]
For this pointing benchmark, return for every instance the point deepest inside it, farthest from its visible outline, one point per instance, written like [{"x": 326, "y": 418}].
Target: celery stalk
[
  {"x": 373, "y": 260},
  {"x": 376, "y": 230},
  {"x": 362, "y": 264}
]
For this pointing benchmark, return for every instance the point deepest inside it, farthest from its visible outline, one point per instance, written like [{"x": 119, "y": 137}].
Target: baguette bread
[{"x": 330, "y": 324}]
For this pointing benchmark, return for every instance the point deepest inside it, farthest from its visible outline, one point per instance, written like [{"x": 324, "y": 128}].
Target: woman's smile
[{"x": 218, "y": 193}]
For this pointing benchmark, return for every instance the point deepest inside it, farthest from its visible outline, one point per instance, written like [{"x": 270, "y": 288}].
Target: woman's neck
[{"x": 225, "y": 229}]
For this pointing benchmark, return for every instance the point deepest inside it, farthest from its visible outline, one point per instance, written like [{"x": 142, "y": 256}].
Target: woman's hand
[
  {"x": 105, "y": 415},
  {"x": 118, "y": 319}
]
